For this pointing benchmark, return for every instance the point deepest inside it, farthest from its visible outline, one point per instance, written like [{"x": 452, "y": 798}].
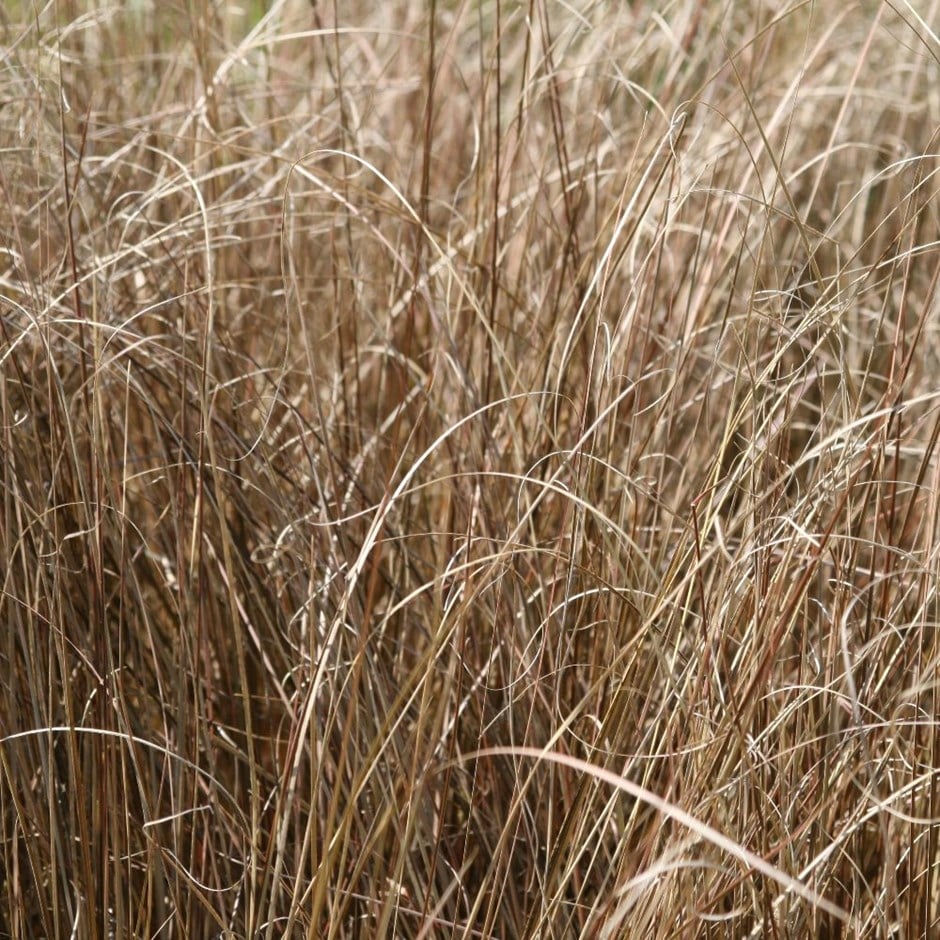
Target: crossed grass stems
[{"x": 469, "y": 471}]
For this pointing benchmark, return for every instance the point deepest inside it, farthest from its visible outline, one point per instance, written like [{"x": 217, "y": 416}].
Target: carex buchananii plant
[{"x": 469, "y": 469}]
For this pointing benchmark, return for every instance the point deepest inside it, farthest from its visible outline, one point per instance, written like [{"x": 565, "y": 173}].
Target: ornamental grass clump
[{"x": 469, "y": 470}]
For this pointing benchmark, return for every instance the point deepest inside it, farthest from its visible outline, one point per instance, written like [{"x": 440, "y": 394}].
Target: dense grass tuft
[{"x": 469, "y": 469}]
